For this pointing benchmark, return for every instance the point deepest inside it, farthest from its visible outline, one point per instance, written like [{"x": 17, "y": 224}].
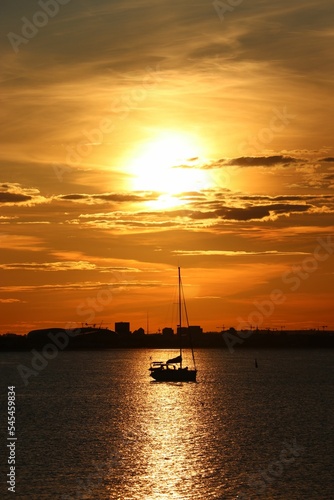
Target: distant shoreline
[{"x": 100, "y": 339}]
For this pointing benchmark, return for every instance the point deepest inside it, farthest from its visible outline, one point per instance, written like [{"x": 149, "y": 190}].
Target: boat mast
[
  {"x": 189, "y": 336},
  {"x": 180, "y": 315}
]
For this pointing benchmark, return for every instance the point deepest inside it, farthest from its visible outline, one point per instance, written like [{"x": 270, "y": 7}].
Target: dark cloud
[
  {"x": 110, "y": 197},
  {"x": 202, "y": 215},
  {"x": 301, "y": 197},
  {"x": 261, "y": 161},
  {"x": 247, "y": 161},
  {"x": 73, "y": 197},
  {"x": 259, "y": 212},
  {"x": 329, "y": 159},
  {"x": 252, "y": 212},
  {"x": 14, "y": 198},
  {"x": 120, "y": 197}
]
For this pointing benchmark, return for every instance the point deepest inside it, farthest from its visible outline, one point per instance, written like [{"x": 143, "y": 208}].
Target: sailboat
[{"x": 172, "y": 370}]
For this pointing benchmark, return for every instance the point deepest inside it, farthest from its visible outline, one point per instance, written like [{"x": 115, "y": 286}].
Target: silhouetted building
[
  {"x": 139, "y": 333},
  {"x": 190, "y": 330},
  {"x": 167, "y": 332},
  {"x": 195, "y": 330},
  {"x": 122, "y": 327},
  {"x": 183, "y": 330}
]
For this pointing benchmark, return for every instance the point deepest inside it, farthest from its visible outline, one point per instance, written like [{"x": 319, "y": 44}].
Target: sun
[{"x": 169, "y": 164}]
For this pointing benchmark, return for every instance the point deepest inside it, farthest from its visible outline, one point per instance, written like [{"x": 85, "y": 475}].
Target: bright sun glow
[{"x": 167, "y": 165}]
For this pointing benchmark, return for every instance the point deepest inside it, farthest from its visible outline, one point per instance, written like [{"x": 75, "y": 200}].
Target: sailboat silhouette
[{"x": 172, "y": 370}]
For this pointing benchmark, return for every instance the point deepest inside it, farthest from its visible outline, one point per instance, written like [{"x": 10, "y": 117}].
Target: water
[{"x": 92, "y": 425}]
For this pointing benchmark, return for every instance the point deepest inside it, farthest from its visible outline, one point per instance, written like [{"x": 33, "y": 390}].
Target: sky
[{"x": 144, "y": 135}]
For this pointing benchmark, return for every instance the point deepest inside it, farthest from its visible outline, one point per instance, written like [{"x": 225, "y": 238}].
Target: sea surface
[{"x": 93, "y": 425}]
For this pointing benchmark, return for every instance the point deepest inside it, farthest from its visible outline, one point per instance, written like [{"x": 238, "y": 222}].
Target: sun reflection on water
[
  {"x": 169, "y": 445},
  {"x": 167, "y": 439}
]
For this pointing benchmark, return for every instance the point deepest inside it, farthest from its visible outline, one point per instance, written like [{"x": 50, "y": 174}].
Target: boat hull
[{"x": 179, "y": 375}]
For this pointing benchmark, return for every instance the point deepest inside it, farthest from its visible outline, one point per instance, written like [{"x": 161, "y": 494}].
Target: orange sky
[{"x": 140, "y": 136}]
